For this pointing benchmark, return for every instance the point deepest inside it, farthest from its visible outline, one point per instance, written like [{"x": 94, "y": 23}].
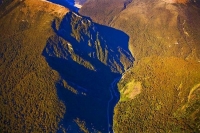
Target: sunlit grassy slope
[
  {"x": 161, "y": 92},
  {"x": 169, "y": 99},
  {"x": 28, "y": 98},
  {"x": 103, "y": 11},
  {"x": 164, "y": 40}
]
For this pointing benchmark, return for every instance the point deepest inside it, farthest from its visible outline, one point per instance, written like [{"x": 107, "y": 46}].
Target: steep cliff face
[{"x": 88, "y": 60}]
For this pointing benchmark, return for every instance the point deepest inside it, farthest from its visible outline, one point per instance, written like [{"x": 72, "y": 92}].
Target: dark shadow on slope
[
  {"x": 90, "y": 104},
  {"x": 118, "y": 40},
  {"x": 4, "y": 10},
  {"x": 92, "y": 107},
  {"x": 114, "y": 36},
  {"x": 113, "y": 40}
]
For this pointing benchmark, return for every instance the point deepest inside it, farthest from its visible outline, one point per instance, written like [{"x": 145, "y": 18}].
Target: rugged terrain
[
  {"x": 59, "y": 69},
  {"x": 161, "y": 92}
]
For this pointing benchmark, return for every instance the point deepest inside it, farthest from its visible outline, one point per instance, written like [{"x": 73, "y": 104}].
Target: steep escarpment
[{"x": 88, "y": 61}]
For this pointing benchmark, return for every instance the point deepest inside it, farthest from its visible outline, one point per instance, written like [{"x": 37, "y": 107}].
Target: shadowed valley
[{"x": 88, "y": 60}]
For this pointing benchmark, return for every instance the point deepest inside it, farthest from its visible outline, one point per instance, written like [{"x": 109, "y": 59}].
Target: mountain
[
  {"x": 58, "y": 69},
  {"x": 29, "y": 102},
  {"x": 160, "y": 93},
  {"x": 103, "y": 11},
  {"x": 116, "y": 66}
]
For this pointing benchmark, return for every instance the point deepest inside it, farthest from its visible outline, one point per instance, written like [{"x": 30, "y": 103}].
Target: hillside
[
  {"x": 164, "y": 41},
  {"x": 103, "y": 11},
  {"x": 66, "y": 72},
  {"x": 161, "y": 92},
  {"x": 28, "y": 102}
]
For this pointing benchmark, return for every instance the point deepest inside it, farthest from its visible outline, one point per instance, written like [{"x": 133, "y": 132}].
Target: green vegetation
[
  {"x": 28, "y": 97},
  {"x": 169, "y": 99},
  {"x": 161, "y": 93},
  {"x": 165, "y": 45}
]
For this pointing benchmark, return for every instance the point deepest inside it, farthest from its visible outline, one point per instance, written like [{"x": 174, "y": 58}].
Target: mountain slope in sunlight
[
  {"x": 29, "y": 102},
  {"x": 160, "y": 93},
  {"x": 103, "y": 11},
  {"x": 164, "y": 41}
]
